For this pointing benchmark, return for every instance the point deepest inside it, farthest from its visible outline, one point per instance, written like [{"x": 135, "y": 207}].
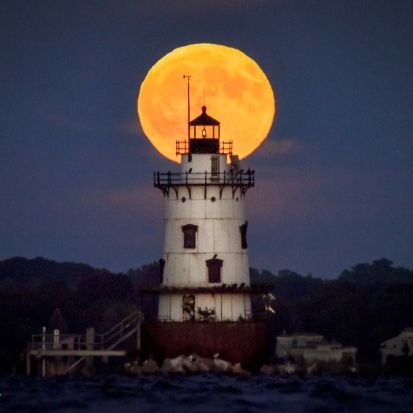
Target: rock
[
  {"x": 150, "y": 366},
  {"x": 201, "y": 364},
  {"x": 174, "y": 365},
  {"x": 221, "y": 365},
  {"x": 287, "y": 368},
  {"x": 312, "y": 369},
  {"x": 166, "y": 366},
  {"x": 133, "y": 368},
  {"x": 239, "y": 371},
  {"x": 268, "y": 369},
  {"x": 197, "y": 364},
  {"x": 188, "y": 363}
]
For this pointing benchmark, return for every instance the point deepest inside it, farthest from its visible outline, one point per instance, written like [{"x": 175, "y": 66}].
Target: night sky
[{"x": 334, "y": 178}]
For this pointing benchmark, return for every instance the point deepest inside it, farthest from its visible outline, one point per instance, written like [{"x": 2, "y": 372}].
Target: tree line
[{"x": 363, "y": 306}]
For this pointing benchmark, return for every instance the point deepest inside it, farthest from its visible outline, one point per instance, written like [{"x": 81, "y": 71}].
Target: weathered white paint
[
  {"x": 228, "y": 307},
  {"x": 218, "y": 212},
  {"x": 200, "y": 163}
]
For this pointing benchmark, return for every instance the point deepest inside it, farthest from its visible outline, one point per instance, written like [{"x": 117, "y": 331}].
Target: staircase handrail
[
  {"x": 130, "y": 317},
  {"x": 119, "y": 329}
]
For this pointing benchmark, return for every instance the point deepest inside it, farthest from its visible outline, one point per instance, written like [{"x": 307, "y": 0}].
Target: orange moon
[{"x": 233, "y": 87}]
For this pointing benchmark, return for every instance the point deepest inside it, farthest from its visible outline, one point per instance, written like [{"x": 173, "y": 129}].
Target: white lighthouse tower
[
  {"x": 205, "y": 271},
  {"x": 204, "y": 303}
]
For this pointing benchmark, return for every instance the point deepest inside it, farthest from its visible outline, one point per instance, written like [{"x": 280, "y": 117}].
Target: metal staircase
[
  {"x": 122, "y": 331},
  {"x": 117, "y": 335},
  {"x": 84, "y": 346}
]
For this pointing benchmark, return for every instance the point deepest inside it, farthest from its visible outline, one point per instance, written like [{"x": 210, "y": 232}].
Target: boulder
[
  {"x": 150, "y": 366},
  {"x": 239, "y": 371},
  {"x": 132, "y": 368},
  {"x": 221, "y": 365},
  {"x": 173, "y": 365},
  {"x": 201, "y": 364},
  {"x": 287, "y": 368},
  {"x": 268, "y": 369}
]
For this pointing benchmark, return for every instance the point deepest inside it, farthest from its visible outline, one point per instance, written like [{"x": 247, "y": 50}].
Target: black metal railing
[
  {"x": 231, "y": 178},
  {"x": 100, "y": 342},
  {"x": 200, "y": 145}
]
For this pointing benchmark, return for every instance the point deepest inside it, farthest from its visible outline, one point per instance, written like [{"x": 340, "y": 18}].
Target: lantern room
[
  {"x": 203, "y": 137},
  {"x": 204, "y": 133}
]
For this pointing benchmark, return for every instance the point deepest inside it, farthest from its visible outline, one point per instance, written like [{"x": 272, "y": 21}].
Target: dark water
[{"x": 209, "y": 393}]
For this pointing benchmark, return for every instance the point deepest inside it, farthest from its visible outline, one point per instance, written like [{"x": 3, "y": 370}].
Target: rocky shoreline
[{"x": 194, "y": 363}]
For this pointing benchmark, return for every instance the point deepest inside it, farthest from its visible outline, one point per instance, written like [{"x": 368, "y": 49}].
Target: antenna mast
[{"x": 188, "y": 77}]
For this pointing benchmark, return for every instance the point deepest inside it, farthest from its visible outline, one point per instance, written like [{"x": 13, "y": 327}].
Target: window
[
  {"x": 214, "y": 266},
  {"x": 189, "y": 231},
  {"x": 161, "y": 268},
  {"x": 214, "y": 167},
  {"x": 243, "y": 229}
]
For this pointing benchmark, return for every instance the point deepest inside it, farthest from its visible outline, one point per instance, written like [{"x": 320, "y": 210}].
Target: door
[{"x": 188, "y": 307}]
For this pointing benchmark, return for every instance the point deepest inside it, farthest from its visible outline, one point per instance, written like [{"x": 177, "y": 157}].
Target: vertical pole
[
  {"x": 43, "y": 348},
  {"x": 90, "y": 345},
  {"x": 56, "y": 339},
  {"x": 43, "y": 338},
  {"x": 28, "y": 363},
  {"x": 138, "y": 335},
  {"x": 189, "y": 104},
  {"x": 188, "y": 77}
]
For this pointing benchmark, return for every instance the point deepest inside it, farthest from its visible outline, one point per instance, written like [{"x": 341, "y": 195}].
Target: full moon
[{"x": 233, "y": 87}]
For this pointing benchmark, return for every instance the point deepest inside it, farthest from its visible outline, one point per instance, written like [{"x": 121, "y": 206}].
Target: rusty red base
[{"x": 244, "y": 342}]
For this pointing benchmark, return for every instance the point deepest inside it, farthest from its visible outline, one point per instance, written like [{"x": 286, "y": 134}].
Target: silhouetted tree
[{"x": 366, "y": 305}]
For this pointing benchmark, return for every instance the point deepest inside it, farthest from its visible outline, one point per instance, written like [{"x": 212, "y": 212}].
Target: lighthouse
[
  {"x": 204, "y": 297},
  {"x": 205, "y": 301},
  {"x": 205, "y": 271}
]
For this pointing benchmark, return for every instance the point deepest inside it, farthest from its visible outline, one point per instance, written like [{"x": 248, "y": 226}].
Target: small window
[
  {"x": 189, "y": 231},
  {"x": 243, "y": 229},
  {"x": 161, "y": 269},
  {"x": 214, "y": 167},
  {"x": 214, "y": 266}
]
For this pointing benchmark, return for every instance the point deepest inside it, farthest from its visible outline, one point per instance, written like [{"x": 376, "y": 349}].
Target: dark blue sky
[{"x": 334, "y": 178}]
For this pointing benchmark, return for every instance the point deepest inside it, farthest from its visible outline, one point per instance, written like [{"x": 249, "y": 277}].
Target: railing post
[
  {"x": 28, "y": 362},
  {"x": 43, "y": 338},
  {"x": 138, "y": 333},
  {"x": 43, "y": 348},
  {"x": 90, "y": 338},
  {"x": 90, "y": 345},
  {"x": 205, "y": 185}
]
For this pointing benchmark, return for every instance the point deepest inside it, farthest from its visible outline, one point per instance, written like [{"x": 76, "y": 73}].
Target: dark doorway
[{"x": 188, "y": 307}]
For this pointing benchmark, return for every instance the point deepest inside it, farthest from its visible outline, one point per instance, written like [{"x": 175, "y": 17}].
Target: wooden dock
[{"x": 70, "y": 350}]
